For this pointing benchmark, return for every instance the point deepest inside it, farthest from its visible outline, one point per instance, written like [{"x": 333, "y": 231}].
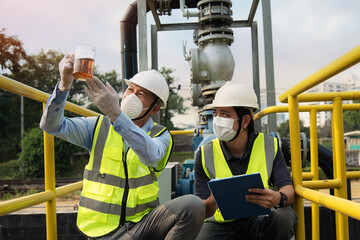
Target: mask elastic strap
[
  {"x": 239, "y": 129},
  {"x": 152, "y": 105}
]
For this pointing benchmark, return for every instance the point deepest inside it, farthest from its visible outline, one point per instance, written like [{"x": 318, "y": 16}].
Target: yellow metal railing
[
  {"x": 338, "y": 202},
  {"x": 50, "y": 193}
]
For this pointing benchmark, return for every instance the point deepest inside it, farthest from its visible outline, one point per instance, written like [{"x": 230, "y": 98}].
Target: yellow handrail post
[
  {"x": 49, "y": 166},
  {"x": 296, "y": 167},
  {"x": 315, "y": 170},
  {"x": 340, "y": 162}
]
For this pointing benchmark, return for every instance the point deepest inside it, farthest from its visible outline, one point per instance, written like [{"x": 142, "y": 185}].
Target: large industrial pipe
[
  {"x": 128, "y": 43},
  {"x": 128, "y": 38}
]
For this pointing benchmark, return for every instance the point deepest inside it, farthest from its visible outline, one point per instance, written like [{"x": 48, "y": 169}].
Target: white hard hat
[
  {"x": 153, "y": 81},
  {"x": 235, "y": 94}
]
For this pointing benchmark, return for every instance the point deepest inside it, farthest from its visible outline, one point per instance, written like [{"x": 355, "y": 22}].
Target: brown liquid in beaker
[{"x": 83, "y": 68}]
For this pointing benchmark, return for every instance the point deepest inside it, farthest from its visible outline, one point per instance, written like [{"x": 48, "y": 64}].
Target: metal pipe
[
  {"x": 255, "y": 67},
  {"x": 296, "y": 167},
  {"x": 21, "y": 89},
  {"x": 13, "y": 205},
  {"x": 337, "y": 204},
  {"x": 128, "y": 39},
  {"x": 340, "y": 163},
  {"x": 186, "y": 13},
  {"x": 328, "y": 96},
  {"x": 323, "y": 184},
  {"x": 49, "y": 168},
  {"x": 305, "y": 108},
  {"x": 315, "y": 170},
  {"x": 269, "y": 63},
  {"x": 128, "y": 43}
]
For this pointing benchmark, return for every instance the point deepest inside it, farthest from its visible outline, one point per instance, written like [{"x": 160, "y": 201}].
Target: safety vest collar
[{"x": 209, "y": 161}]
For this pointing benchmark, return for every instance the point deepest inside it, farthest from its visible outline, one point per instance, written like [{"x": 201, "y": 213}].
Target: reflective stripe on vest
[
  {"x": 105, "y": 182},
  {"x": 261, "y": 160}
]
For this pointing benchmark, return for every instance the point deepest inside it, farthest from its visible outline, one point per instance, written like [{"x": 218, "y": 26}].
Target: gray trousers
[
  {"x": 180, "y": 218},
  {"x": 279, "y": 225}
]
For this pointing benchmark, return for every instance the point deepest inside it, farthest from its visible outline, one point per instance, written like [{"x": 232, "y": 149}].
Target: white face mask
[
  {"x": 132, "y": 106},
  {"x": 223, "y": 128}
]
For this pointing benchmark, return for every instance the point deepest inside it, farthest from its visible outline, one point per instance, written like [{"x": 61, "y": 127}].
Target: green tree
[
  {"x": 41, "y": 72},
  {"x": 175, "y": 104},
  {"x": 12, "y": 55},
  {"x": 32, "y": 155},
  {"x": 12, "y": 52},
  {"x": 351, "y": 120},
  {"x": 283, "y": 129}
]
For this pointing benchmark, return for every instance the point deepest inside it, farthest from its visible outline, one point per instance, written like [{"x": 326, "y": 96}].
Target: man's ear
[
  {"x": 245, "y": 121},
  {"x": 155, "y": 109}
]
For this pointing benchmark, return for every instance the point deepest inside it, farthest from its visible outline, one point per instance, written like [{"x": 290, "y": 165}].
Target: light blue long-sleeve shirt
[{"x": 79, "y": 130}]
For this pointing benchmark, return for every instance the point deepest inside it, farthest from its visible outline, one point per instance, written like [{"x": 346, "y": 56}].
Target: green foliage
[
  {"x": 175, "y": 104},
  {"x": 32, "y": 155},
  {"x": 283, "y": 129},
  {"x": 17, "y": 193},
  {"x": 11, "y": 52},
  {"x": 10, "y": 169},
  {"x": 10, "y": 122},
  {"x": 322, "y": 175},
  {"x": 351, "y": 120}
]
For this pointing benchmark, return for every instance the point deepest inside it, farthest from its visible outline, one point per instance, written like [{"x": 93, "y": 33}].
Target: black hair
[{"x": 240, "y": 112}]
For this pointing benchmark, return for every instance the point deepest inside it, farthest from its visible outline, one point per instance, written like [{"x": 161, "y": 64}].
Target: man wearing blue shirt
[{"x": 128, "y": 151}]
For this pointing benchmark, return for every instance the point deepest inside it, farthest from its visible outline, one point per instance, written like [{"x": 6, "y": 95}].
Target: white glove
[
  {"x": 66, "y": 68},
  {"x": 104, "y": 97}
]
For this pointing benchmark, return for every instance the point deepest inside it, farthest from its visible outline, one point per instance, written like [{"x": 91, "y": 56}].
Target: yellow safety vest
[
  {"x": 261, "y": 160},
  {"x": 117, "y": 186}
]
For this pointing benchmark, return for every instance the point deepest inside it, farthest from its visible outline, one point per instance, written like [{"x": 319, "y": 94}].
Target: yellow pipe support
[
  {"x": 69, "y": 188},
  {"x": 338, "y": 65},
  {"x": 17, "y": 204},
  {"x": 179, "y": 132},
  {"x": 308, "y": 175},
  {"x": 49, "y": 167},
  {"x": 323, "y": 184},
  {"x": 296, "y": 167},
  {"x": 344, "y": 206},
  {"x": 353, "y": 174},
  {"x": 305, "y": 108},
  {"x": 328, "y": 96},
  {"x": 338, "y": 135},
  {"x": 315, "y": 170},
  {"x": 16, "y": 87},
  {"x": 13, "y": 86}
]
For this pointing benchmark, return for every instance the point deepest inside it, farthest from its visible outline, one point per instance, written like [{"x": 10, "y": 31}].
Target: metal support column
[
  {"x": 154, "y": 60},
  {"x": 49, "y": 167},
  {"x": 142, "y": 33},
  {"x": 255, "y": 62},
  {"x": 154, "y": 48},
  {"x": 269, "y": 63}
]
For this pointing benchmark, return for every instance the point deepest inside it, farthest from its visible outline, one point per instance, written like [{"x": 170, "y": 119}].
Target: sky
[{"x": 307, "y": 35}]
